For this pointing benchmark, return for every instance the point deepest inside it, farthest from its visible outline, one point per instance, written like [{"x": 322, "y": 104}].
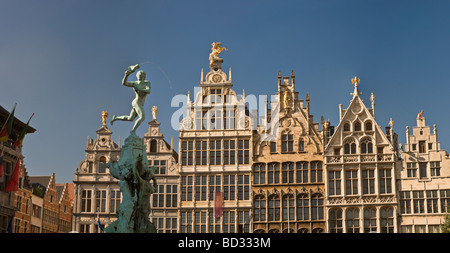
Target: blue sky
[{"x": 64, "y": 61}]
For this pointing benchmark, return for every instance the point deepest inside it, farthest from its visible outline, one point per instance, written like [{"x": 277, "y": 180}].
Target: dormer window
[
  {"x": 369, "y": 126},
  {"x": 357, "y": 126},
  {"x": 346, "y": 127}
]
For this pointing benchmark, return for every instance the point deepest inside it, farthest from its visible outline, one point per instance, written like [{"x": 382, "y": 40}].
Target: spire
[
  {"x": 229, "y": 75},
  {"x": 201, "y": 77}
]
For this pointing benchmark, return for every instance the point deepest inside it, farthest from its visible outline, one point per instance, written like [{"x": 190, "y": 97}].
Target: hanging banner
[{"x": 218, "y": 204}]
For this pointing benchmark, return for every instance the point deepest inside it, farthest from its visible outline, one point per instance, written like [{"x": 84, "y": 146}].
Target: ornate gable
[{"x": 357, "y": 123}]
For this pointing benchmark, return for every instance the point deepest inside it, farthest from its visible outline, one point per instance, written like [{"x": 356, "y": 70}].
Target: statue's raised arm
[{"x": 142, "y": 89}]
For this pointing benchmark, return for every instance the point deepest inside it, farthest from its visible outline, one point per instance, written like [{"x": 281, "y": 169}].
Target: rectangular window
[
  {"x": 302, "y": 172},
  {"x": 229, "y": 118},
  {"x": 243, "y": 152},
  {"x": 287, "y": 172},
  {"x": 405, "y": 202},
  {"x": 301, "y": 145},
  {"x": 445, "y": 200},
  {"x": 229, "y": 152},
  {"x": 422, "y": 148},
  {"x": 411, "y": 169},
  {"x": 423, "y": 170},
  {"x": 432, "y": 201},
  {"x": 186, "y": 188},
  {"x": 100, "y": 201},
  {"x": 198, "y": 119},
  {"x": 160, "y": 166},
  {"x": 273, "y": 173},
  {"x": 334, "y": 182},
  {"x": 316, "y": 172},
  {"x": 435, "y": 168},
  {"x": 351, "y": 182},
  {"x": 418, "y": 202},
  {"x": 201, "y": 152},
  {"x": 86, "y": 200},
  {"x": 200, "y": 188},
  {"x": 273, "y": 147},
  {"x": 215, "y": 147},
  {"x": 259, "y": 173},
  {"x": 214, "y": 185},
  {"x": 229, "y": 187},
  {"x": 171, "y": 195},
  {"x": 385, "y": 181},
  {"x": 287, "y": 143},
  {"x": 187, "y": 152}
]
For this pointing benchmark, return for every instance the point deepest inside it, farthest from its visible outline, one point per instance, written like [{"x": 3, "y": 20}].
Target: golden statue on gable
[{"x": 215, "y": 51}]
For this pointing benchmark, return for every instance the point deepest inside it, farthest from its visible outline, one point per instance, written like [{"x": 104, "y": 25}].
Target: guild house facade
[
  {"x": 360, "y": 164},
  {"x": 424, "y": 185},
  {"x": 288, "y": 183},
  {"x": 215, "y": 143}
]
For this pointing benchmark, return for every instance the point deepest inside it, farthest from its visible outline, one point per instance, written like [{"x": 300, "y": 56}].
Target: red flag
[
  {"x": 13, "y": 183},
  {"x": 1, "y": 164},
  {"x": 218, "y": 204}
]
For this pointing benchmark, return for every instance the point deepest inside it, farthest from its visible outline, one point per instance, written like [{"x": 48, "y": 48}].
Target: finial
[
  {"x": 391, "y": 123},
  {"x": 279, "y": 74},
  {"x": 188, "y": 97},
  {"x": 201, "y": 77},
  {"x": 243, "y": 94},
  {"x": 229, "y": 75}
]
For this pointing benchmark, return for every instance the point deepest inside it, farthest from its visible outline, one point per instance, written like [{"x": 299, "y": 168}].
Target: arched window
[
  {"x": 369, "y": 126},
  {"x": 274, "y": 208},
  {"x": 288, "y": 207},
  {"x": 316, "y": 171},
  {"x": 287, "y": 172},
  {"x": 352, "y": 220},
  {"x": 302, "y": 207},
  {"x": 357, "y": 126},
  {"x": 259, "y": 172},
  {"x": 260, "y": 208},
  {"x": 288, "y": 230},
  {"x": 346, "y": 127},
  {"x": 302, "y": 172},
  {"x": 101, "y": 165},
  {"x": 317, "y": 207},
  {"x": 370, "y": 220},
  {"x": 153, "y": 146},
  {"x": 366, "y": 146},
  {"x": 317, "y": 230},
  {"x": 302, "y": 231},
  {"x": 335, "y": 220},
  {"x": 273, "y": 173},
  {"x": 387, "y": 219},
  {"x": 350, "y": 147}
]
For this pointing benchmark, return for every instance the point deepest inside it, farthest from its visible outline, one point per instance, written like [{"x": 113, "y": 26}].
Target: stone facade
[
  {"x": 97, "y": 193},
  {"x": 424, "y": 180},
  {"x": 161, "y": 155},
  {"x": 360, "y": 164},
  {"x": 215, "y": 143},
  {"x": 288, "y": 182}
]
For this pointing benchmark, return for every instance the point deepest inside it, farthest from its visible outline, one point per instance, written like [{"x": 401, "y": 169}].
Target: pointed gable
[{"x": 356, "y": 123}]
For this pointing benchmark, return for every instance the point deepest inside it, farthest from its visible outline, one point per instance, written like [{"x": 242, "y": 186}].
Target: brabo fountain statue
[{"x": 132, "y": 168}]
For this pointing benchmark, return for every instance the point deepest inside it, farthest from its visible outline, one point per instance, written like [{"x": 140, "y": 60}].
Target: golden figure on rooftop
[{"x": 215, "y": 51}]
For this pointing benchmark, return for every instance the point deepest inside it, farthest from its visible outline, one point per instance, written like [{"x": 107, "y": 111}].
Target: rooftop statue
[
  {"x": 142, "y": 89},
  {"x": 215, "y": 51}
]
